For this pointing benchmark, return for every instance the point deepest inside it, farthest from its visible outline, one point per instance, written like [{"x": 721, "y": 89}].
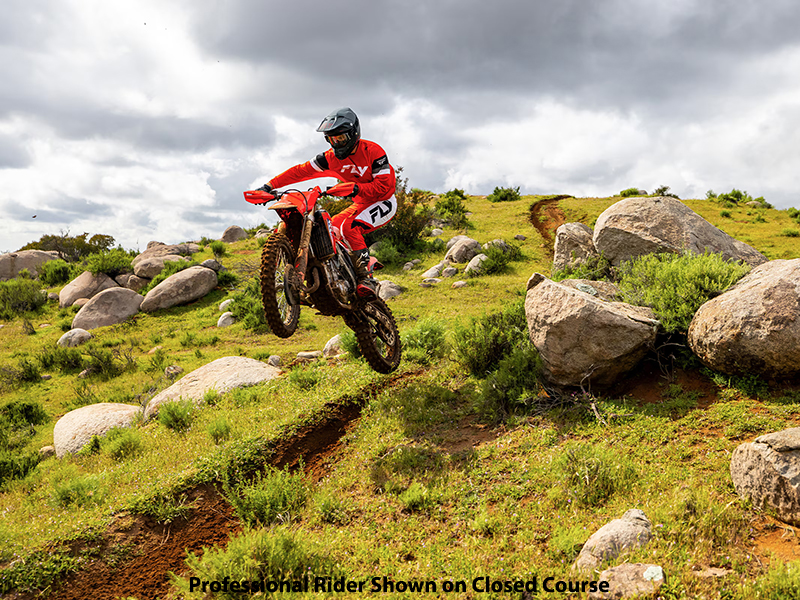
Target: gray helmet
[{"x": 342, "y": 131}]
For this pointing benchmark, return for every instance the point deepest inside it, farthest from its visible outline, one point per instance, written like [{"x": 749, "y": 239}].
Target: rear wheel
[
  {"x": 277, "y": 257},
  {"x": 377, "y": 335}
]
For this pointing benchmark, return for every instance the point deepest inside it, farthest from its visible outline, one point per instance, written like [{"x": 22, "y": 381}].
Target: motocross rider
[{"x": 367, "y": 178}]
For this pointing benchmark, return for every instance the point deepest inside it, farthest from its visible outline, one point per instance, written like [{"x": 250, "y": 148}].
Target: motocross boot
[{"x": 366, "y": 287}]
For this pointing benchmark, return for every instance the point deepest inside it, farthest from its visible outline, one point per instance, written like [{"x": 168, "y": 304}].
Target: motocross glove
[
  {"x": 344, "y": 190},
  {"x": 266, "y": 188}
]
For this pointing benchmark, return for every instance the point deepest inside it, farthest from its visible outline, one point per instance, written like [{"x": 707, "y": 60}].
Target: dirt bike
[{"x": 306, "y": 261}]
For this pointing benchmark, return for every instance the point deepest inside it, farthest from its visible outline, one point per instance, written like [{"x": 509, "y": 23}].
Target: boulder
[
  {"x": 388, "y": 289},
  {"x": 754, "y": 327},
  {"x": 499, "y": 244},
  {"x": 437, "y": 232},
  {"x": 150, "y": 266},
  {"x": 84, "y": 285},
  {"x": 181, "y": 288},
  {"x": 109, "y": 307},
  {"x": 157, "y": 249},
  {"x": 234, "y": 233},
  {"x": 74, "y": 337},
  {"x": 603, "y": 290},
  {"x": 582, "y": 339},
  {"x": 475, "y": 266},
  {"x": 225, "y": 305},
  {"x": 131, "y": 282},
  {"x": 455, "y": 239},
  {"x": 459, "y": 284},
  {"x": 76, "y": 428},
  {"x": 630, "y": 580},
  {"x": 333, "y": 347},
  {"x": 14, "y": 262},
  {"x": 637, "y": 226},
  {"x": 767, "y": 472},
  {"x": 222, "y": 375},
  {"x": 463, "y": 250},
  {"x": 573, "y": 245},
  {"x": 212, "y": 264},
  {"x": 450, "y": 272},
  {"x": 434, "y": 271},
  {"x": 630, "y": 532}
]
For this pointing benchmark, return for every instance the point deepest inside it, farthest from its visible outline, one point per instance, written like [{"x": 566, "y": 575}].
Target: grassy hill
[{"x": 397, "y": 476}]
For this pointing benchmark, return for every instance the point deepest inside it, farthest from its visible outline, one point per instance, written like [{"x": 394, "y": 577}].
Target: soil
[{"x": 546, "y": 216}]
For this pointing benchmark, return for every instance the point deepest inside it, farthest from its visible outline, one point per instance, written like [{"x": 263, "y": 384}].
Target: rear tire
[
  {"x": 377, "y": 335},
  {"x": 280, "y": 313}
]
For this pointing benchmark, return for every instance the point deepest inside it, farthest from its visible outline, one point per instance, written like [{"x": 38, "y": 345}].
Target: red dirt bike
[{"x": 307, "y": 261}]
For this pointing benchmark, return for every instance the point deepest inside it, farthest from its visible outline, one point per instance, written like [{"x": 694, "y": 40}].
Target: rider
[{"x": 368, "y": 177}]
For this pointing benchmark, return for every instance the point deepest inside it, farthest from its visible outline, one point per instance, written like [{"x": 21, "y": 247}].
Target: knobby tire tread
[
  {"x": 270, "y": 255},
  {"x": 366, "y": 341}
]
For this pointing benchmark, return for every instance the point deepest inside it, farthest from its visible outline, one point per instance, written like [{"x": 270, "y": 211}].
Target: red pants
[{"x": 360, "y": 218}]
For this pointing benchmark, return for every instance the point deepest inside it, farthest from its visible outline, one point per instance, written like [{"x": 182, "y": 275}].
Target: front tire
[
  {"x": 377, "y": 335},
  {"x": 280, "y": 313}
]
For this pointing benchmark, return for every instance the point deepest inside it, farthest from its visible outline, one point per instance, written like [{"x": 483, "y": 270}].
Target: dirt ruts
[{"x": 546, "y": 216}]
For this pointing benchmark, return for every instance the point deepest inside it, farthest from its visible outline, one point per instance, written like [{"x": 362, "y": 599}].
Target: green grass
[{"x": 420, "y": 488}]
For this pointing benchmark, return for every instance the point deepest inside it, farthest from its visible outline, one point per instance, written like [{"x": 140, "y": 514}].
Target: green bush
[
  {"x": 630, "y": 192},
  {"x": 54, "y": 272},
  {"x": 589, "y": 475},
  {"x": 676, "y": 285},
  {"x": 450, "y": 208},
  {"x": 482, "y": 344},
  {"x": 425, "y": 341},
  {"x": 176, "y": 415},
  {"x": 219, "y": 429},
  {"x": 254, "y": 557},
  {"x": 79, "y": 491},
  {"x": 112, "y": 263},
  {"x": 247, "y": 308},
  {"x": 19, "y": 296},
  {"x": 227, "y": 279},
  {"x": 405, "y": 229},
  {"x": 304, "y": 377},
  {"x": 66, "y": 360},
  {"x": 594, "y": 268},
  {"x": 387, "y": 253},
  {"x": 273, "y": 496},
  {"x": 513, "y": 386},
  {"x": 498, "y": 260},
  {"x": 218, "y": 248},
  {"x": 664, "y": 191},
  {"x": 504, "y": 194},
  {"x": 789, "y": 232},
  {"x": 72, "y": 248},
  {"x": 725, "y": 214},
  {"x": 16, "y": 465},
  {"x": 122, "y": 442}
]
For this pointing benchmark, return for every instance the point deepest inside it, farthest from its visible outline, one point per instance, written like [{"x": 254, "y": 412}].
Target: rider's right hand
[{"x": 265, "y": 188}]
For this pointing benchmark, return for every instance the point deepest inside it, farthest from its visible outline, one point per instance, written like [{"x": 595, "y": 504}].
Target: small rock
[
  {"x": 52, "y": 297},
  {"x": 437, "y": 232},
  {"x": 226, "y": 320},
  {"x": 520, "y": 238},
  {"x": 309, "y": 355},
  {"x": 274, "y": 361},
  {"x": 46, "y": 377},
  {"x": 450, "y": 272},
  {"x": 212, "y": 264},
  {"x": 459, "y": 284},
  {"x": 155, "y": 349},
  {"x": 432, "y": 280},
  {"x": 432, "y": 272},
  {"x": 173, "y": 371},
  {"x": 408, "y": 266},
  {"x": 225, "y": 305},
  {"x": 630, "y": 580},
  {"x": 333, "y": 347},
  {"x": 630, "y": 532},
  {"x": 47, "y": 452}
]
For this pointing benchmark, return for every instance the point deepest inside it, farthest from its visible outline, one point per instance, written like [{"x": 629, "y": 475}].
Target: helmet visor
[{"x": 338, "y": 141}]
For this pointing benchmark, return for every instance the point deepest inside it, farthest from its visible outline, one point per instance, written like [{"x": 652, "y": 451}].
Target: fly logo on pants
[{"x": 380, "y": 211}]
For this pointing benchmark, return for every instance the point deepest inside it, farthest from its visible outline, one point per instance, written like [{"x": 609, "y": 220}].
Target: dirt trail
[
  {"x": 157, "y": 549},
  {"x": 546, "y": 216}
]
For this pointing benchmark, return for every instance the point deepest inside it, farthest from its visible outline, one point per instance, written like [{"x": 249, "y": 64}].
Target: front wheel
[
  {"x": 377, "y": 335},
  {"x": 277, "y": 257}
]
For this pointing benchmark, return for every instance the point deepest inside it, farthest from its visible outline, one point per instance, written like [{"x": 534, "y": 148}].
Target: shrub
[
  {"x": 725, "y": 214},
  {"x": 54, "y": 272},
  {"x": 111, "y": 263},
  {"x": 676, "y": 285},
  {"x": 589, "y": 475},
  {"x": 483, "y": 343},
  {"x": 219, "y": 429},
  {"x": 789, "y": 232},
  {"x": 72, "y": 248},
  {"x": 497, "y": 260},
  {"x": 405, "y": 229},
  {"x": 594, "y": 268},
  {"x": 227, "y": 279},
  {"x": 513, "y": 386},
  {"x": 247, "y": 308},
  {"x": 630, "y": 192},
  {"x": 450, "y": 207},
  {"x": 664, "y": 191},
  {"x": 66, "y": 360},
  {"x": 19, "y": 296},
  {"x": 349, "y": 343},
  {"x": 417, "y": 498},
  {"x": 218, "y": 248},
  {"x": 16, "y": 466},
  {"x": 504, "y": 195},
  {"x": 304, "y": 377},
  {"x": 78, "y": 491},
  {"x": 387, "y": 253},
  {"x": 256, "y": 556},
  {"x": 122, "y": 442},
  {"x": 425, "y": 341},
  {"x": 273, "y": 496},
  {"x": 22, "y": 413},
  {"x": 177, "y": 415}
]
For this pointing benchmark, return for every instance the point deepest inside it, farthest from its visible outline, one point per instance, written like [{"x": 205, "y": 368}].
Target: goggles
[{"x": 337, "y": 141}]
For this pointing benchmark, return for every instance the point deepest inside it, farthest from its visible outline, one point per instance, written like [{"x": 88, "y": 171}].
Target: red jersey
[{"x": 368, "y": 166}]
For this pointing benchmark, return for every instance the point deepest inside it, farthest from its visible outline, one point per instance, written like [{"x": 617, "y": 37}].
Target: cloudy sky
[{"x": 146, "y": 120}]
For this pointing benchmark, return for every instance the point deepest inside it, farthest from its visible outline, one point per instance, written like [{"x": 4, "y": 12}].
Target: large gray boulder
[
  {"x": 584, "y": 340},
  {"x": 181, "y": 288},
  {"x": 234, "y": 233},
  {"x": 158, "y": 249},
  {"x": 630, "y": 532},
  {"x": 629, "y": 580},
  {"x": 221, "y": 375},
  {"x": 76, "y": 428},
  {"x": 475, "y": 265},
  {"x": 14, "y": 262},
  {"x": 754, "y": 327},
  {"x": 131, "y": 281},
  {"x": 109, "y": 307},
  {"x": 389, "y": 289},
  {"x": 150, "y": 266},
  {"x": 86, "y": 286},
  {"x": 767, "y": 472},
  {"x": 637, "y": 226},
  {"x": 463, "y": 250},
  {"x": 573, "y": 245}
]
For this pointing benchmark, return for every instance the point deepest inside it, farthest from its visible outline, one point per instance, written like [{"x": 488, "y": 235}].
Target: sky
[{"x": 147, "y": 120}]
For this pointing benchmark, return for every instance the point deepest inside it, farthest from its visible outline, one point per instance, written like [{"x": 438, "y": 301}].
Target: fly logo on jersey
[{"x": 355, "y": 169}]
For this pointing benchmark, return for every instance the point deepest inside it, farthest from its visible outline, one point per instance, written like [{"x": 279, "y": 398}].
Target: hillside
[{"x": 404, "y": 477}]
